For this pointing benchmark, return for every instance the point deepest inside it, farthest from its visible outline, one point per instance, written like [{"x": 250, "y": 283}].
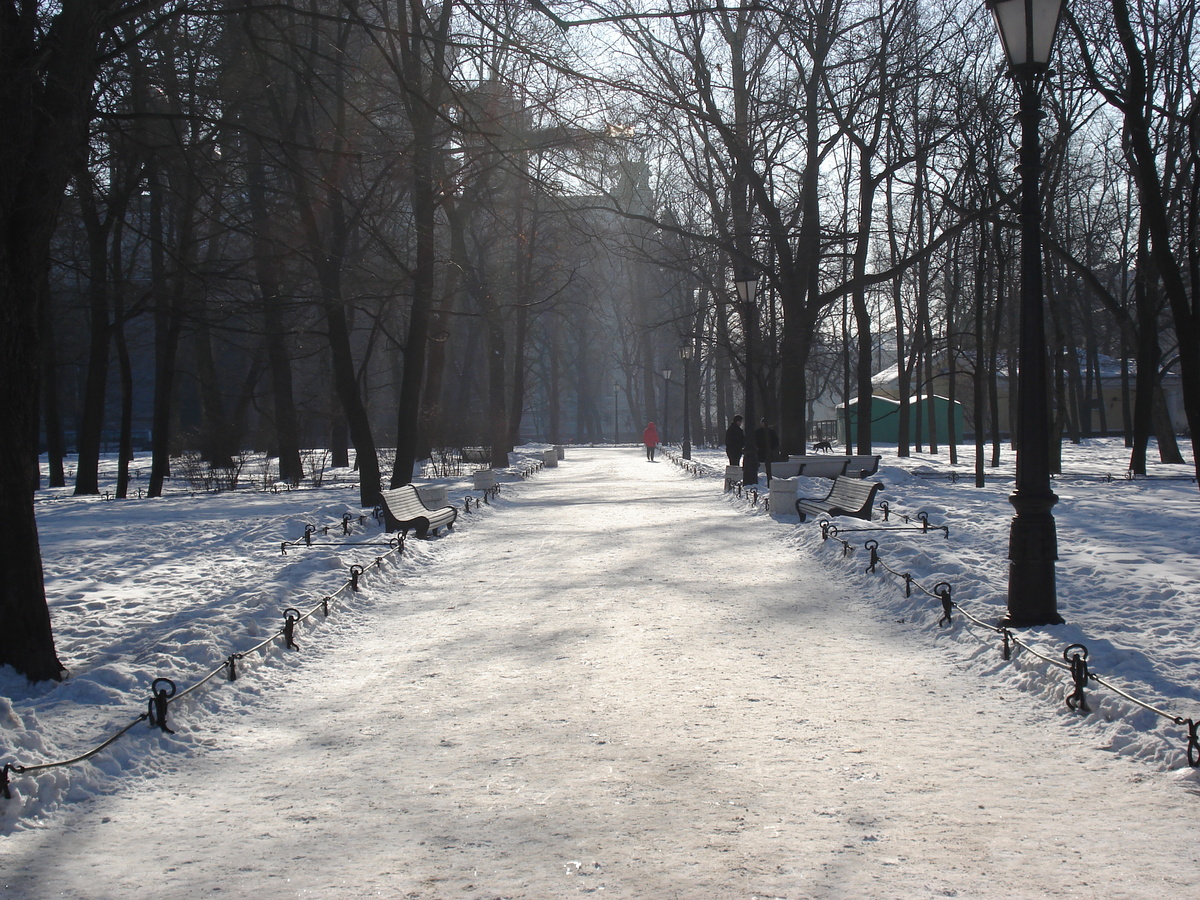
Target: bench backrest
[
  {"x": 789, "y": 469},
  {"x": 862, "y": 466},
  {"x": 402, "y": 507},
  {"x": 852, "y": 494},
  {"x": 823, "y": 466},
  {"x": 404, "y": 502}
]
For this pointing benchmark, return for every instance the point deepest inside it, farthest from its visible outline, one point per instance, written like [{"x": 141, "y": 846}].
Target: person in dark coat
[
  {"x": 766, "y": 442},
  {"x": 735, "y": 441}
]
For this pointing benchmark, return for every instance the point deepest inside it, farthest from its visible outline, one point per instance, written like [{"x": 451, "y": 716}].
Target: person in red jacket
[{"x": 650, "y": 439}]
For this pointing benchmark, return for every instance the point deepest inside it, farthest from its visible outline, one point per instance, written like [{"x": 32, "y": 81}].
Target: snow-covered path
[{"x": 596, "y": 689}]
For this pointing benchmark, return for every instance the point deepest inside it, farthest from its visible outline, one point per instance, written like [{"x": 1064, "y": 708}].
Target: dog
[{"x": 822, "y": 447}]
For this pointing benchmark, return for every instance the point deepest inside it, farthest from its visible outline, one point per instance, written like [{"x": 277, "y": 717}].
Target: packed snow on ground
[{"x": 172, "y": 588}]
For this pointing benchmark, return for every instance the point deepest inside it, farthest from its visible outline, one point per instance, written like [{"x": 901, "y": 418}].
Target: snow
[{"x": 613, "y": 678}]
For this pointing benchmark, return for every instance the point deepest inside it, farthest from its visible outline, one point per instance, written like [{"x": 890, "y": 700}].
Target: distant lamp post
[
  {"x": 666, "y": 374},
  {"x": 1027, "y": 30},
  {"x": 747, "y": 286},
  {"x": 685, "y": 355}
]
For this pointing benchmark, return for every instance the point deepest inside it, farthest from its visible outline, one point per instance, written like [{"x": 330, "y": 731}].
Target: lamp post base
[{"x": 1032, "y": 550}]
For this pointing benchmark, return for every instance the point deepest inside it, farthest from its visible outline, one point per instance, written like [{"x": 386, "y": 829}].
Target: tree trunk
[
  {"x": 345, "y": 382},
  {"x": 903, "y": 386},
  {"x": 339, "y": 436},
  {"x": 91, "y": 420},
  {"x": 497, "y": 379},
  {"x": 270, "y": 295},
  {"x": 724, "y": 365},
  {"x": 167, "y": 320},
  {"x": 998, "y": 315},
  {"x": 1148, "y": 355},
  {"x": 867, "y": 184},
  {"x": 1168, "y": 447},
  {"x": 51, "y": 415},
  {"x": 408, "y": 414},
  {"x": 431, "y": 432},
  {"x": 218, "y": 438},
  {"x": 125, "y": 370},
  {"x": 554, "y": 380},
  {"x": 980, "y": 380},
  {"x": 954, "y": 297},
  {"x": 47, "y": 69},
  {"x": 1058, "y": 388},
  {"x": 423, "y": 70},
  {"x": 517, "y": 406},
  {"x": 26, "y": 639}
]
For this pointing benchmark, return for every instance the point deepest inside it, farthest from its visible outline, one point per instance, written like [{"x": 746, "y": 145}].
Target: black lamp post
[
  {"x": 666, "y": 374},
  {"x": 685, "y": 355},
  {"x": 747, "y": 285},
  {"x": 1027, "y": 30}
]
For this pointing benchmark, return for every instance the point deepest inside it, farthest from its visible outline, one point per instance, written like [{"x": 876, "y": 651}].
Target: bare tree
[
  {"x": 1147, "y": 73},
  {"x": 49, "y": 56}
]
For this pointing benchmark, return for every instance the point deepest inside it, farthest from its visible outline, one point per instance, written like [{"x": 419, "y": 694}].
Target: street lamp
[
  {"x": 685, "y": 354},
  {"x": 666, "y": 374},
  {"x": 1027, "y": 29},
  {"x": 746, "y": 285}
]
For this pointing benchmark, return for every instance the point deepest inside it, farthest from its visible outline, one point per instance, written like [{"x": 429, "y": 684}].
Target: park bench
[
  {"x": 811, "y": 467},
  {"x": 481, "y": 455},
  {"x": 789, "y": 469},
  {"x": 862, "y": 466},
  {"x": 403, "y": 509},
  {"x": 848, "y": 497},
  {"x": 831, "y": 466}
]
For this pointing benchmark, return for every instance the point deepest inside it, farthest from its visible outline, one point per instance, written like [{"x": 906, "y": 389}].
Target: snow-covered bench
[
  {"x": 848, "y": 497},
  {"x": 862, "y": 466},
  {"x": 830, "y": 466},
  {"x": 403, "y": 509}
]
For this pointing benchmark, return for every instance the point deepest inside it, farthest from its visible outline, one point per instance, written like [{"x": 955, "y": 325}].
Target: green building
[{"x": 885, "y": 419}]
